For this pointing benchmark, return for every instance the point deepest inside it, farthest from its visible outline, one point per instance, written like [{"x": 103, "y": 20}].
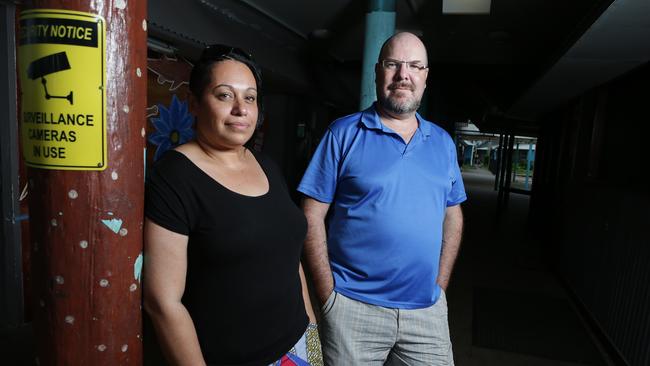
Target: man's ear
[
  {"x": 377, "y": 70},
  {"x": 193, "y": 103}
]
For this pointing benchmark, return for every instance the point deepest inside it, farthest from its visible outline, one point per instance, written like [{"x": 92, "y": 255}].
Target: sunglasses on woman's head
[{"x": 220, "y": 50}]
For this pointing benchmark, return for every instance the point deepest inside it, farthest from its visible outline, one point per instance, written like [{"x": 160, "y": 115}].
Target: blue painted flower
[{"x": 173, "y": 126}]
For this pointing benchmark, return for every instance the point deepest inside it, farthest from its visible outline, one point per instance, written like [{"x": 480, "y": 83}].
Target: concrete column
[
  {"x": 85, "y": 218},
  {"x": 380, "y": 25}
]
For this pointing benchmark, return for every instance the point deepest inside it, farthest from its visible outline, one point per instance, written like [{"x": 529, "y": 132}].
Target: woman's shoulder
[
  {"x": 170, "y": 160},
  {"x": 270, "y": 166},
  {"x": 173, "y": 167},
  {"x": 265, "y": 160},
  {"x": 178, "y": 157}
]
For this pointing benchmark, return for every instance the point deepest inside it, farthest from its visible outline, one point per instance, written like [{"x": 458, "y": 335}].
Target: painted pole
[
  {"x": 86, "y": 220},
  {"x": 380, "y": 25}
]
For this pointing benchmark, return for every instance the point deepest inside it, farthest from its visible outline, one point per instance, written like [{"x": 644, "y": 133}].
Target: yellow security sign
[{"x": 61, "y": 57}]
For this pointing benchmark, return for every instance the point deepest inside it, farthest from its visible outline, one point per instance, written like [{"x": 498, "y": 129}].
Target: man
[{"x": 394, "y": 227}]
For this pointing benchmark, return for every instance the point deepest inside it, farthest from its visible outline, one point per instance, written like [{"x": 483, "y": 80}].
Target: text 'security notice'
[{"x": 61, "y": 57}]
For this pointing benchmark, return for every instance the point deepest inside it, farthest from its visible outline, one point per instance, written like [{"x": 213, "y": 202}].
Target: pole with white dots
[{"x": 86, "y": 225}]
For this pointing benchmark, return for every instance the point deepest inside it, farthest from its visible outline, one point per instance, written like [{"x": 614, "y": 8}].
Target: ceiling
[{"x": 516, "y": 63}]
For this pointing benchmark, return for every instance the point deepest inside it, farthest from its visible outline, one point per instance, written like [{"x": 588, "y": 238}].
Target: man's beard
[{"x": 391, "y": 104}]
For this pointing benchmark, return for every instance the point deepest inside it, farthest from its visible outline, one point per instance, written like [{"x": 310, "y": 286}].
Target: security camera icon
[{"x": 48, "y": 65}]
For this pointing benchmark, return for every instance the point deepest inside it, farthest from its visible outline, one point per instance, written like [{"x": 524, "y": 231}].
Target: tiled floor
[{"x": 497, "y": 254}]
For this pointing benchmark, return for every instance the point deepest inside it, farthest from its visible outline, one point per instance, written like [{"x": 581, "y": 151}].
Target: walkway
[{"x": 505, "y": 307}]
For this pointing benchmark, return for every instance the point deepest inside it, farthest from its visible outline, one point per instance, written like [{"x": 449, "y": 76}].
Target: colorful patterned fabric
[{"x": 306, "y": 352}]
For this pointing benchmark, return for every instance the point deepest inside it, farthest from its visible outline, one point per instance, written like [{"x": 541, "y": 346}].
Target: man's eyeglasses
[
  {"x": 216, "y": 51},
  {"x": 412, "y": 66}
]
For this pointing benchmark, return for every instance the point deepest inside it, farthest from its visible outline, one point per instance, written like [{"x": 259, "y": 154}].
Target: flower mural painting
[{"x": 173, "y": 126}]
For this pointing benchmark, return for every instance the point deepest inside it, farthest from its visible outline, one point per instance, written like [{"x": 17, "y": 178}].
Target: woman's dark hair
[{"x": 201, "y": 74}]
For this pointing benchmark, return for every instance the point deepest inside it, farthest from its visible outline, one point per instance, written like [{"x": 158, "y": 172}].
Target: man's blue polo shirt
[{"x": 388, "y": 202}]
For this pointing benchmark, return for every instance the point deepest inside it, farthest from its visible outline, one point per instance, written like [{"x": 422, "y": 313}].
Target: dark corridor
[{"x": 506, "y": 305}]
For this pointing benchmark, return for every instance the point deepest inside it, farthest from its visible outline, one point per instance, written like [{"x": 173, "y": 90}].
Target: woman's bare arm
[{"x": 165, "y": 268}]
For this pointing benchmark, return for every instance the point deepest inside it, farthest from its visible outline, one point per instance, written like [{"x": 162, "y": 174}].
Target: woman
[{"x": 223, "y": 240}]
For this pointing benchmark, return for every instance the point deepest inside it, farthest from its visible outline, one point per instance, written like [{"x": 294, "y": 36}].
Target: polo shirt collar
[
  {"x": 424, "y": 125},
  {"x": 370, "y": 119}
]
